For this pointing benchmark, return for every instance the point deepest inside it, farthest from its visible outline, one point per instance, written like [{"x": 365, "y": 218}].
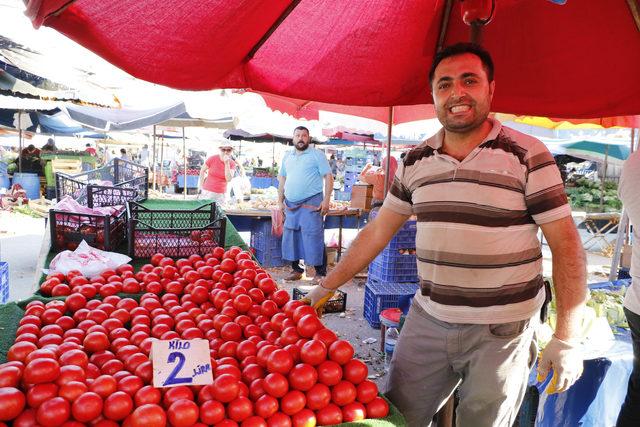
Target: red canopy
[{"x": 577, "y": 60}]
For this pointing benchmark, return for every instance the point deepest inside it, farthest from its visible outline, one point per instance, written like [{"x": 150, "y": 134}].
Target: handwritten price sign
[{"x": 181, "y": 362}]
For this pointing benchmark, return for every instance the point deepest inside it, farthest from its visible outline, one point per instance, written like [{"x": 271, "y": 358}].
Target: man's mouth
[{"x": 460, "y": 109}]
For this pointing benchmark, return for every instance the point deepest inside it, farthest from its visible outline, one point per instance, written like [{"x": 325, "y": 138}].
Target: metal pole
[
  {"x": 604, "y": 176},
  {"x": 388, "y": 165},
  {"x": 20, "y": 141},
  {"x": 184, "y": 159},
  {"x": 162, "y": 156},
  {"x": 155, "y": 172},
  {"x": 273, "y": 152}
]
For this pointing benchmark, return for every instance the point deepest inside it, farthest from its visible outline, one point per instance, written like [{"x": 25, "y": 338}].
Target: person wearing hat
[{"x": 216, "y": 172}]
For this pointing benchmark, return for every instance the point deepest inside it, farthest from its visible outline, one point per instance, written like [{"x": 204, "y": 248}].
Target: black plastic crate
[
  {"x": 337, "y": 303},
  {"x": 173, "y": 232},
  {"x": 104, "y": 232},
  {"x": 122, "y": 173}
]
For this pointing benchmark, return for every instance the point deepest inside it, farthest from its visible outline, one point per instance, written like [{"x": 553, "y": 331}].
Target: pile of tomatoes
[{"x": 85, "y": 361}]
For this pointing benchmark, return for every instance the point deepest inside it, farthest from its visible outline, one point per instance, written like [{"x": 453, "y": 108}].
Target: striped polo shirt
[{"x": 478, "y": 253}]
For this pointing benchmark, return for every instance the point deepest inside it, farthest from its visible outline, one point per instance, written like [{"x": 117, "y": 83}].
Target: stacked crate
[
  {"x": 4, "y": 282},
  {"x": 393, "y": 275},
  {"x": 268, "y": 248}
]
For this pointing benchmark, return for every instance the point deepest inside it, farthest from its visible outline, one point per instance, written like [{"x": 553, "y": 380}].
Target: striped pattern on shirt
[{"x": 479, "y": 257}]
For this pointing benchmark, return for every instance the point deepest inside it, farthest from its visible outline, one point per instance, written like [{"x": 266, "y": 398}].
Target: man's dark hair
[
  {"x": 88, "y": 145},
  {"x": 460, "y": 49},
  {"x": 302, "y": 128},
  {"x": 123, "y": 151}
]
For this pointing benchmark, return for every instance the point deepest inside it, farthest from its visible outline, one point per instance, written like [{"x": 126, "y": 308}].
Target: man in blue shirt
[{"x": 301, "y": 199}]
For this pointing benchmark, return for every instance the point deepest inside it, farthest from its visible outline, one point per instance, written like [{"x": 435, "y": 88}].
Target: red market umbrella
[{"x": 574, "y": 60}]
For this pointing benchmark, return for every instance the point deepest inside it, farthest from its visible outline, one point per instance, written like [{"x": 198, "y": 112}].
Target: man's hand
[
  {"x": 566, "y": 361},
  {"x": 324, "y": 207},
  {"x": 318, "y": 297}
]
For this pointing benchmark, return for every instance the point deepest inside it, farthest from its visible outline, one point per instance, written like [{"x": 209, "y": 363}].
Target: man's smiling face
[{"x": 462, "y": 93}]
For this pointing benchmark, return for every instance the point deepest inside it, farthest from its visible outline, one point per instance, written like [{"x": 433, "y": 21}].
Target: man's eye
[
  {"x": 442, "y": 86},
  {"x": 469, "y": 81}
]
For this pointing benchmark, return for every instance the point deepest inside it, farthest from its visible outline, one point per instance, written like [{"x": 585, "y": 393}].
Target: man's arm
[
  {"x": 569, "y": 275},
  {"x": 370, "y": 241},
  {"x": 281, "y": 181},
  {"x": 328, "y": 188}
]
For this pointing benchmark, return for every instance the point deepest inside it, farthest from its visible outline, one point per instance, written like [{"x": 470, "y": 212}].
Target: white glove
[
  {"x": 318, "y": 297},
  {"x": 566, "y": 361}
]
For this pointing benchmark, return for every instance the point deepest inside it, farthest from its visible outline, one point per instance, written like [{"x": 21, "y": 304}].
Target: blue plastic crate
[
  {"x": 392, "y": 266},
  {"x": 380, "y": 296},
  {"x": 4, "y": 282},
  {"x": 271, "y": 258},
  {"x": 268, "y": 248}
]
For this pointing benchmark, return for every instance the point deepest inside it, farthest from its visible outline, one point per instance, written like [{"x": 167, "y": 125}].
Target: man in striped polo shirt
[{"x": 480, "y": 192}]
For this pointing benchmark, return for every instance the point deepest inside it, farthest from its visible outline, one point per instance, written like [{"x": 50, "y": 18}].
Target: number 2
[{"x": 172, "y": 378}]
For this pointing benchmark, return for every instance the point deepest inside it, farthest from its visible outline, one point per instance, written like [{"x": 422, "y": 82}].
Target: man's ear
[{"x": 492, "y": 89}]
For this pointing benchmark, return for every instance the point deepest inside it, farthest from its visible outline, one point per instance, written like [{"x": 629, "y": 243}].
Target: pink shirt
[{"x": 216, "y": 181}]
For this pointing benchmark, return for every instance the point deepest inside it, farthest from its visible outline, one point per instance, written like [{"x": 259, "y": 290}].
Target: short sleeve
[
  {"x": 209, "y": 162},
  {"x": 283, "y": 169},
  {"x": 545, "y": 196},
  {"x": 628, "y": 189},
  {"x": 323, "y": 163},
  {"x": 399, "y": 197}
]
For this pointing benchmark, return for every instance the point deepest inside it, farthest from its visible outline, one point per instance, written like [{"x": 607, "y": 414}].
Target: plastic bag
[
  {"x": 89, "y": 261},
  {"x": 277, "y": 221}
]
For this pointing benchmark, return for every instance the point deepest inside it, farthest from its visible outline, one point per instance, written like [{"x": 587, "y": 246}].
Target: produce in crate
[{"x": 273, "y": 361}]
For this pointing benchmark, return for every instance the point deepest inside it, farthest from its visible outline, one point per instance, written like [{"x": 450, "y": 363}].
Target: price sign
[{"x": 181, "y": 362}]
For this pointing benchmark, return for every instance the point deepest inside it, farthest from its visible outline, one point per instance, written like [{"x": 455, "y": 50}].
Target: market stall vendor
[
  {"x": 300, "y": 197},
  {"x": 30, "y": 160},
  {"x": 216, "y": 173},
  {"x": 376, "y": 177}
]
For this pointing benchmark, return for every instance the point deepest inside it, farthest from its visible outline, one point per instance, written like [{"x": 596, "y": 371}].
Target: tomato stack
[{"x": 85, "y": 361}]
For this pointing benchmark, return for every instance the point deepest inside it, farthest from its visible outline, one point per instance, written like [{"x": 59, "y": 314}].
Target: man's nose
[{"x": 458, "y": 89}]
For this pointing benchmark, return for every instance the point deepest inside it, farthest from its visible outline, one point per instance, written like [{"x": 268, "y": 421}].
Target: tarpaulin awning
[
  {"x": 185, "y": 120},
  {"x": 595, "y": 150},
  {"x": 111, "y": 119},
  {"x": 551, "y": 60},
  {"x": 242, "y": 135},
  {"x": 348, "y": 135}
]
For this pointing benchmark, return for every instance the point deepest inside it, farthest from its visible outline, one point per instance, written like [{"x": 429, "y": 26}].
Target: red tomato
[
  {"x": 20, "y": 350},
  {"x": 302, "y": 311},
  {"x": 293, "y": 402},
  {"x": 267, "y": 285},
  {"x": 268, "y": 308},
  {"x": 104, "y": 386},
  {"x": 228, "y": 265},
  {"x": 41, "y": 392},
  {"x": 304, "y": 418},
  {"x": 327, "y": 336},
  {"x": 226, "y": 388},
  {"x": 308, "y": 325},
  {"x": 279, "y": 420},
  {"x": 176, "y": 393},
  {"x": 377, "y": 408},
  {"x": 341, "y": 351},
  {"x": 53, "y": 412},
  {"x": 12, "y": 403},
  {"x": 147, "y": 395},
  {"x": 254, "y": 421},
  {"x": 318, "y": 397},
  {"x": 96, "y": 341},
  {"x": 266, "y": 406},
  {"x": 252, "y": 372},
  {"x": 329, "y": 415},
  {"x": 42, "y": 370},
  {"x": 302, "y": 377},
  {"x": 343, "y": 393},
  {"x": 329, "y": 373},
  {"x": 313, "y": 352},
  {"x": 212, "y": 412},
  {"x": 240, "y": 409},
  {"x": 355, "y": 371},
  {"x": 72, "y": 390},
  {"x": 156, "y": 258},
  {"x": 183, "y": 413},
  {"x": 117, "y": 406},
  {"x": 87, "y": 407},
  {"x": 275, "y": 384},
  {"x": 280, "y": 361},
  {"x": 353, "y": 412},
  {"x": 366, "y": 391},
  {"x": 231, "y": 332},
  {"x": 10, "y": 376},
  {"x": 148, "y": 415}
]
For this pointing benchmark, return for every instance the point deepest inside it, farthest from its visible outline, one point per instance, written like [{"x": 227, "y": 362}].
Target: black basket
[
  {"x": 122, "y": 173},
  {"x": 174, "y": 233},
  {"x": 337, "y": 303},
  {"x": 104, "y": 232}
]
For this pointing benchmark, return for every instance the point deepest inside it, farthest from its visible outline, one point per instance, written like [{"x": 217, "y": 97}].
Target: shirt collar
[{"x": 437, "y": 140}]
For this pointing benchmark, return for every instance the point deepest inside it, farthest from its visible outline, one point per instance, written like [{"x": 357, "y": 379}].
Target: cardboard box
[{"x": 361, "y": 196}]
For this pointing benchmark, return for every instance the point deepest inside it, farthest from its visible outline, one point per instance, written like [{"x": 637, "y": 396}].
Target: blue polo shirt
[{"x": 304, "y": 172}]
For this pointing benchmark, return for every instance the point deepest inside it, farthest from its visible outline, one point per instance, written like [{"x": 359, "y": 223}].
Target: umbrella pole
[
  {"x": 388, "y": 165},
  {"x": 162, "y": 157},
  {"x": 184, "y": 159},
  {"x": 20, "y": 141},
  {"x": 155, "y": 175},
  {"x": 273, "y": 152},
  {"x": 633, "y": 139},
  {"x": 604, "y": 177}
]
